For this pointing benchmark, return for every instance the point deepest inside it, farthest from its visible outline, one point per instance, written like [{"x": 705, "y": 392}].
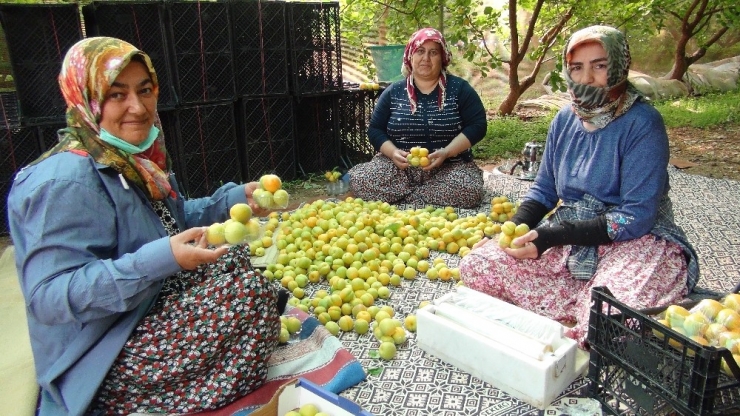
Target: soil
[{"x": 712, "y": 152}]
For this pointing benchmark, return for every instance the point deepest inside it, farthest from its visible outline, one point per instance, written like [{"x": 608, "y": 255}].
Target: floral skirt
[
  {"x": 457, "y": 184},
  {"x": 642, "y": 273},
  {"x": 198, "y": 349}
]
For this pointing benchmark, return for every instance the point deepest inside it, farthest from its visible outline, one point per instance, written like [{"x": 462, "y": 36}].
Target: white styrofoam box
[
  {"x": 297, "y": 393},
  {"x": 531, "y": 380}
]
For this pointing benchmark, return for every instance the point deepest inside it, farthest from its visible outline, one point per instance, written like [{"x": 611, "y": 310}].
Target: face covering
[{"x": 126, "y": 146}]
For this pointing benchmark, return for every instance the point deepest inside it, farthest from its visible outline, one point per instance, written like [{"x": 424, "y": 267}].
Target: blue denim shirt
[{"x": 91, "y": 255}]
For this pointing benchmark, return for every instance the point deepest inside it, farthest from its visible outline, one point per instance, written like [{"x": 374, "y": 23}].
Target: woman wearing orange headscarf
[
  {"x": 128, "y": 309},
  {"x": 430, "y": 109}
]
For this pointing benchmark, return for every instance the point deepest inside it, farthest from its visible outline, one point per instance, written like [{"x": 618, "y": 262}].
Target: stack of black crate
[
  {"x": 355, "y": 110},
  {"x": 264, "y": 107},
  {"x": 245, "y": 85},
  {"x": 37, "y": 38},
  {"x": 190, "y": 47},
  {"x": 316, "y": 83}
]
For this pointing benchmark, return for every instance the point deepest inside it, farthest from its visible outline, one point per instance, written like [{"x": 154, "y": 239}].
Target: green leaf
[
  {"x": 373, "y": 354},
  {"x": 375, "y": 371}
]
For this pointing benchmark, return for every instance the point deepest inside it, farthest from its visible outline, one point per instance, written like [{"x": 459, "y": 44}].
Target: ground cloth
[
  {"x": 317, "y": 356},
  {"x": 415, "y": 383}
]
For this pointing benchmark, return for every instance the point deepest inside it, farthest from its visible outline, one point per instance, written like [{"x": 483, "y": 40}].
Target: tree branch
[{"x": 530, "y": 31}]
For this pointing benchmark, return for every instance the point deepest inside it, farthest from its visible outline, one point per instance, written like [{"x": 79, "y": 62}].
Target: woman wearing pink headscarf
[{"x": 429, "y": 109}]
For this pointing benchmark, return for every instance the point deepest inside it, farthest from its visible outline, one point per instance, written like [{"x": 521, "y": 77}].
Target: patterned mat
[{"x": 416, "y": 383}]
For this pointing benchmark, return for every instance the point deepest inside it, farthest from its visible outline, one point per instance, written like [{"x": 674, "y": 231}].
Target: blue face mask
[{"x": 126, "y": 146}]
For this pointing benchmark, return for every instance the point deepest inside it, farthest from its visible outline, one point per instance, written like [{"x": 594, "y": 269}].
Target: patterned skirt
[
  {"x": 201, "y": 346},
  {"x": 457, "y": 184},
  {"x": 642, "y": 273}
]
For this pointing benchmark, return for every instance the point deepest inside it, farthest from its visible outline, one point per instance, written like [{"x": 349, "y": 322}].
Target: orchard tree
[
  {"x": 386, "y": 22},
  {"x": 530, "y": 29},
  {"x": 489, "y": 37},
  {"x": 705, "y": 21}
]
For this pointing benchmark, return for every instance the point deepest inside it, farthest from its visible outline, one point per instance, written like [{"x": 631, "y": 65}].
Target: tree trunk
[
  {"x": 680, "y": 64},
  {"x": 509, "y": 104}
]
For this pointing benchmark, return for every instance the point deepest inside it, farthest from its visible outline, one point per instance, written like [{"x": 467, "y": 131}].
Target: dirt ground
[{"x": 712, "y": 152}]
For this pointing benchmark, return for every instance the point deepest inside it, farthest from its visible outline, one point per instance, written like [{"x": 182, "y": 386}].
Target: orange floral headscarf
[{"x": 88, "y": 71}]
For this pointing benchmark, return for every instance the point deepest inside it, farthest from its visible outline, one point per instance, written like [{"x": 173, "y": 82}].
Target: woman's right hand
[
  {"x": 399, "y": 158},
  {"x": 191, "y": 249}
]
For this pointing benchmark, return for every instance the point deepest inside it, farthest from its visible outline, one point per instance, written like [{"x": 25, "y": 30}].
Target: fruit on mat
[
  {"x": 333, "y": 327},
  {"x": 284, "y": 335},
  {"x": 502, "y": 210},
  {"x": 293, "y": 324},
  {"x": 387, "y": 350},
  {"x": 410, "y": 323}
]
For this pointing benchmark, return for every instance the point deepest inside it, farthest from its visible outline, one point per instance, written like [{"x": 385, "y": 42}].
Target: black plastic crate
[
  {"x": 168, "y": 119},
  {"x": 260, "y": 47},
  {"x": 18, "y": 147},
  {"x": 48, "y": 134},
  {"x": 634, "y": 372},
  {"x": 9, "y": 110},
  {"x": 6, "y": 70},
  {"x": 201, "y": 39},
  {"x": 38, "y": 37},
  {"x": 355, "y": 109},
  {"x": 207, "y": 144},
  {"x": 143, "y": 25},
  {"x": 266, "y": 136},
  {"x": 315, "y": 47},
  {"x": 4, "y": 190},
  {"x": 317, "y": 133}
]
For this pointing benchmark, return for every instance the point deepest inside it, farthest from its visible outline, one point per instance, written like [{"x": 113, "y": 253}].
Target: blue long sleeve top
[
  {"x": 91, "y": 255},
  {"x": 428, "y": 127},
  {"x": 622, "y": 165}
]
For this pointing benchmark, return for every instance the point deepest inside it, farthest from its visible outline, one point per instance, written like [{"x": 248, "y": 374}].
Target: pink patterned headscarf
[{"x": 416, "y": 40}]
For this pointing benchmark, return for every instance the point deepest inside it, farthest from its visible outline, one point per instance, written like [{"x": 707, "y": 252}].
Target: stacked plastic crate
[
  {"x": 36, "y": 38},
  {"x": 316, "y": 83},
  {"x": 245, "y": 85},
  {"x": 202, "y": 60},
  {"x": 264, "y": 107},
  {"x": 356, "y": 107}
]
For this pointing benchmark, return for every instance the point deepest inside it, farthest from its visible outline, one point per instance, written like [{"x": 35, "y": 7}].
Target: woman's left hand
[
  {"x": 256, "y": 209},
  {"x": 437, "y": 158},
  {"x": 527, "y": 250}
]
